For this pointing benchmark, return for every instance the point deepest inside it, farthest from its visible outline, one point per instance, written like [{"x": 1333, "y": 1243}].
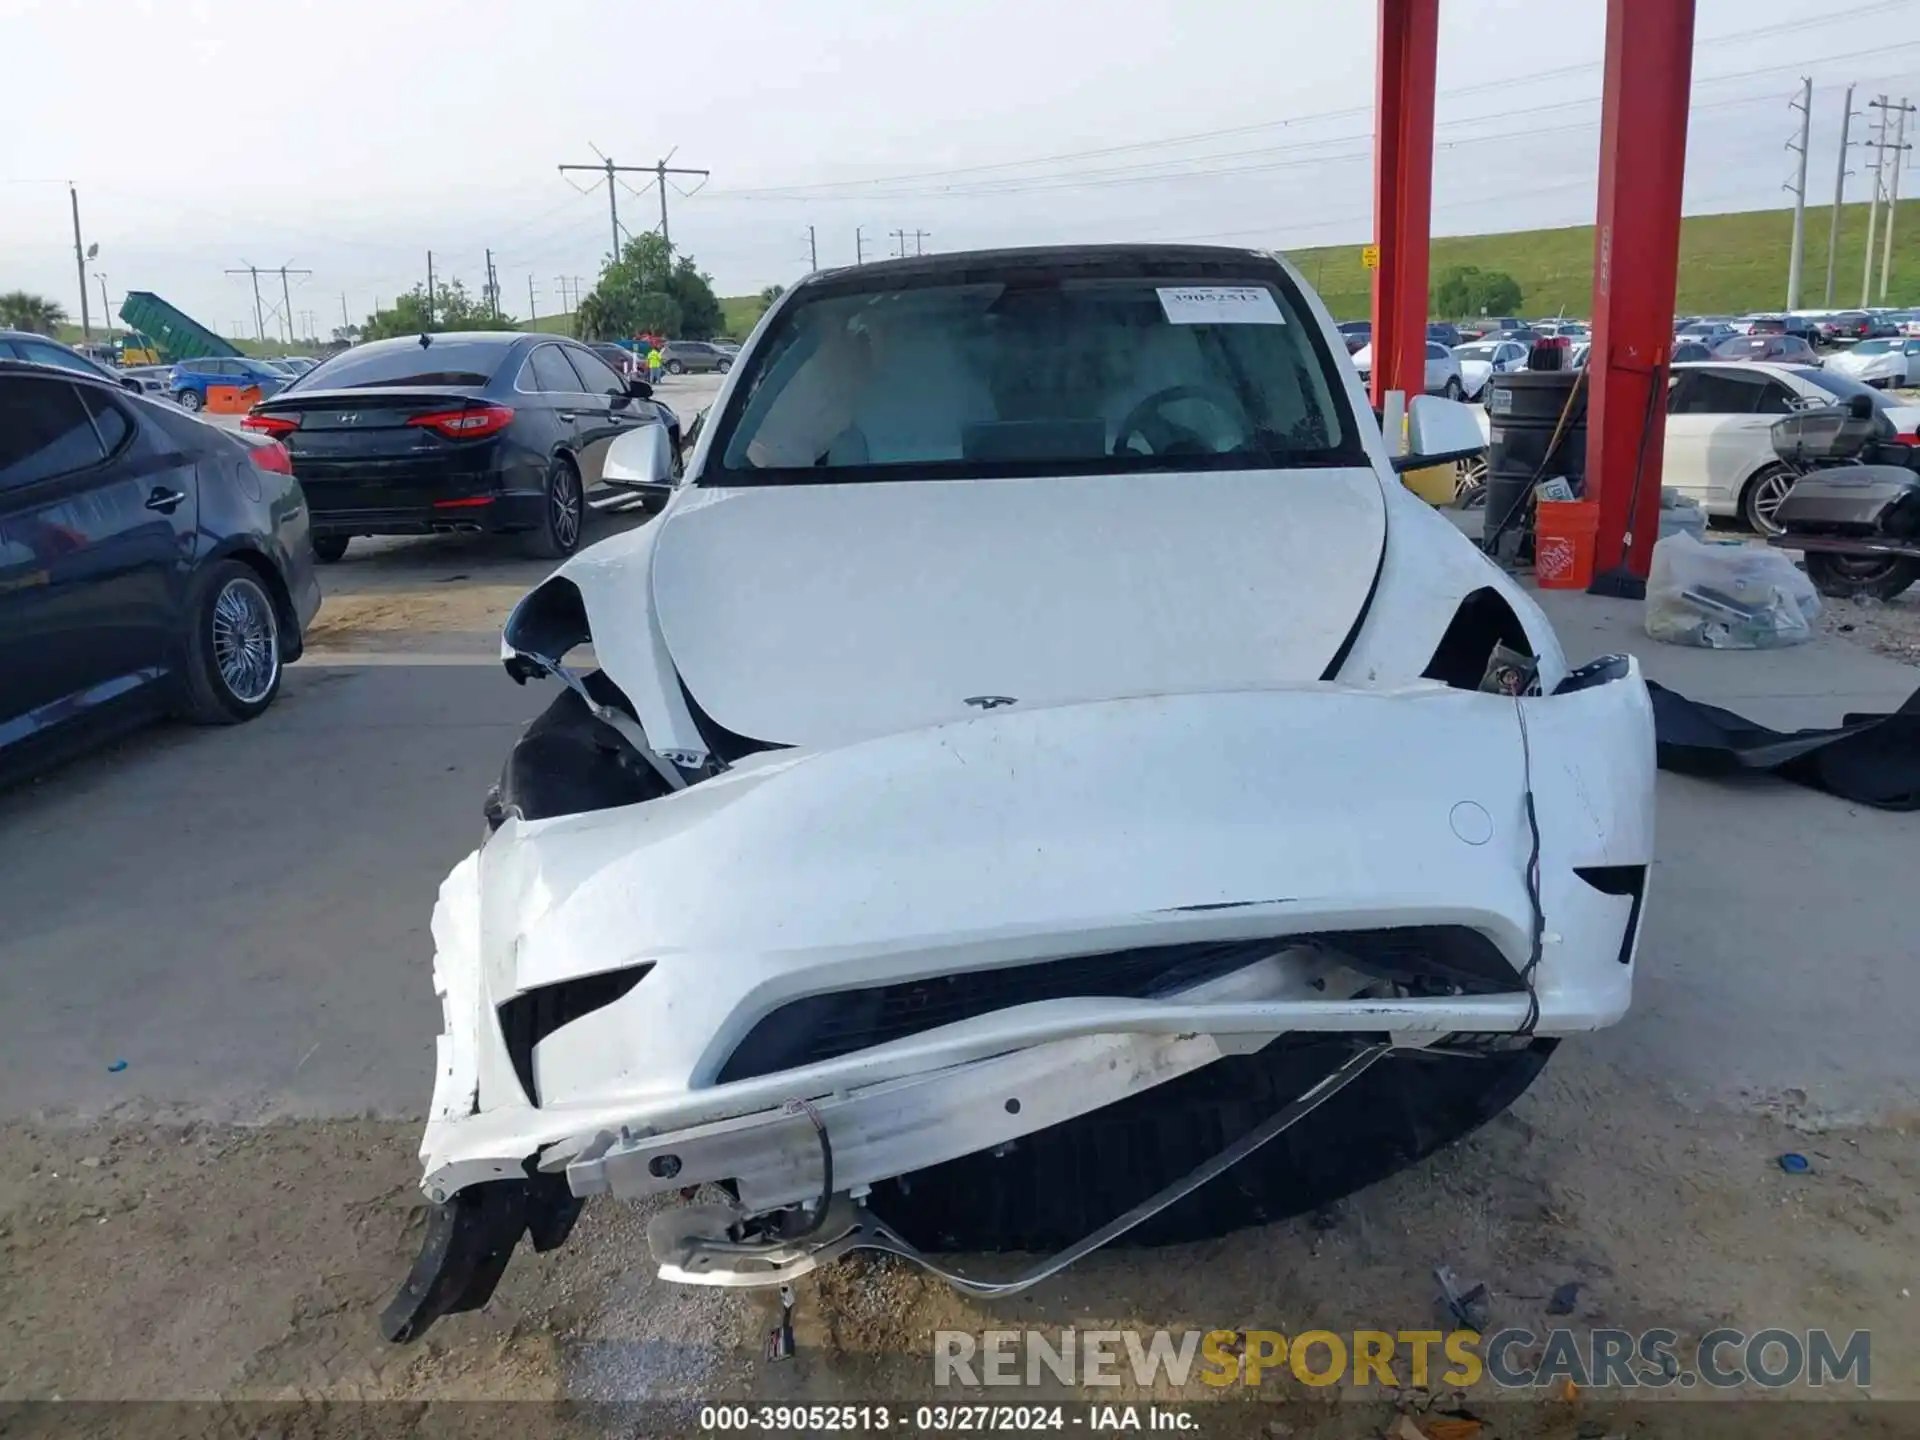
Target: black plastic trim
[
  {"x": 529, "y": 1018},
  {"x": 1620, "y": 880}
]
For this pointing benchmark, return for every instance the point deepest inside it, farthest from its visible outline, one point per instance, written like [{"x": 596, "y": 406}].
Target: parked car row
[{"x": 1719, "y": 448}]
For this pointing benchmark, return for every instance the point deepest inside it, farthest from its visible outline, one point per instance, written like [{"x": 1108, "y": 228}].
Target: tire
[
  {"x": 1762, "y": 497},
  {"x": 329, "y": 548},
  {"x": 232, "y": 647},
  {"x": 1055, "y": 1187},
  {"x": 674, "y": 367},
  {"x": 724, "y": 366},
  {"x": 1845, "y": 577},
  {"x": 1452, "y": 390},
  {"x": 554, "y": 538},
  {"x": 189, "y": 400}
]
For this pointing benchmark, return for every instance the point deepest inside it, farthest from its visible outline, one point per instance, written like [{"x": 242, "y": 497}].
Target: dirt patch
[
  {"x": 1890, "y": 628},
  {"x": 155, "y": 1261},
  {"x": 161, "y": 1262},
  {"x": 1658, "y": 1216},
  {"x": 458, "y": 605}
]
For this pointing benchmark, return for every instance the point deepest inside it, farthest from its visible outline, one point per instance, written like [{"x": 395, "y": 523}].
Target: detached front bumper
[{"x": 657, "y": 945}]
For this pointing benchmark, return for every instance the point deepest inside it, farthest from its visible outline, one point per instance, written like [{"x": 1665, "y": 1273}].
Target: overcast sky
[{"x": 349, "y": 137}]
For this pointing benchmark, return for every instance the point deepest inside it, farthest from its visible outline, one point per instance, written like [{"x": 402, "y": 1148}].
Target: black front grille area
[
  {"x": 824, "y": 1027},
  {"x": 529, "y": 1018}
]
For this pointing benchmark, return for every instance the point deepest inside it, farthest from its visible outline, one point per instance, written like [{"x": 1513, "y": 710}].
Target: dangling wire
[{"x": 1538, "y": 939}]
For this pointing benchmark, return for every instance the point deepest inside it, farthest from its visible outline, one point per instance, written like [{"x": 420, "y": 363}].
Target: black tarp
[{"x": 1871, "y": 759}]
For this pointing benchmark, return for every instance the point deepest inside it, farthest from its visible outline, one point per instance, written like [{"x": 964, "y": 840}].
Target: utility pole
[
  {"x": 900, "y": 242},
  {"x": 106, "y": 306},
  {"x": 1798, "y": 253},
  {"x": 80, "y": 258},
  {"x": 561, "y": 281},
  {"x": 918, "y": 236},
  {"x": 493, "y": 289},
  {"x": 532, "y": 310},
  {"x": 859, "y": 247},
  {"x": 345, "y": 323},
  {"x": 1873, "y": 197},
  {"x": 659, "y": 170},
  {"x": 259, "y": 316},
  {"x": 429, "y": 289},
  {"x": 1839, "y": 193},
  {"x": 813, "y": 250},
  {"x": 286, "y": 301},
  {"x": 1893, "y": 196}
]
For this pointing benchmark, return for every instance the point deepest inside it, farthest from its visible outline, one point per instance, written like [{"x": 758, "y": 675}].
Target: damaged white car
[{"x": 1041, "y": 781}]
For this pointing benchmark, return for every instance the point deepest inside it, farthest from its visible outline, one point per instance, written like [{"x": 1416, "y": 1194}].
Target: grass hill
[{"x": 1729, "y": 264}]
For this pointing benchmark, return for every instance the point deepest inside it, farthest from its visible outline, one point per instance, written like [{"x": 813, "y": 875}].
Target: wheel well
[
  {"x": 291, "y": 642},
  {"x": 1483, "y": 621},
  {"x": 1746, "y": 485}
]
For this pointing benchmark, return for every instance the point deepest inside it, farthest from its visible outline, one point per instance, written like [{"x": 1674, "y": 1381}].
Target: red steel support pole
[
  {"x": 1403, "y": 193},
  {"x": 1636, "y": 262}
]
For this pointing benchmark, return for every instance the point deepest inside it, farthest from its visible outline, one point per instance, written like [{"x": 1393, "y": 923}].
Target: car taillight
[
  {"x": 273, "y": 456},
  {"x": 468, "y": 424},
  {"x": 274, "y": 425}
]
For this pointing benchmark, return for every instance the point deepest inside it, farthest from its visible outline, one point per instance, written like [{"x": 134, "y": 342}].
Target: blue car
[{"x": 189, "y": 379}]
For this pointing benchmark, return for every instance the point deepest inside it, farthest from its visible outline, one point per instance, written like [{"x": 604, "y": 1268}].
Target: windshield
[
  {"x": 1474, "y": 352},
  {"x": 1037, "y": 374},
  {"x": 1873, "y": 347},
  {"x": 445, "y": 362}
]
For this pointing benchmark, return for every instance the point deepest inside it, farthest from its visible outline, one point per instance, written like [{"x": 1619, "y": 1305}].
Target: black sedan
[
  {"x": 149, "y": 562},
  {"x": 481, "y": 431}
]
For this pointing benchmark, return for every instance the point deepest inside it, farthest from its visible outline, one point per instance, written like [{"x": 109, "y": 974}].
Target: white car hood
[
  {"x": 1474, "y": 374},
  {"x": 820, "y": 614},
  {"x": 1865, "y": 367}
]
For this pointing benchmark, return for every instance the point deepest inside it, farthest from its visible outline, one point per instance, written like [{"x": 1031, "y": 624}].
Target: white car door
[{"x": 1717, "y": 435}]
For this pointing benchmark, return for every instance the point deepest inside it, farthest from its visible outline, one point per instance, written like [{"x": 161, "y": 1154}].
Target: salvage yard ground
[{"x": 241, "y": 916}]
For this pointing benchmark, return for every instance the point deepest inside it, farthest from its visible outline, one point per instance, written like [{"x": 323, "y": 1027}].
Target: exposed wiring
[{"x": 1537, "y": 942}]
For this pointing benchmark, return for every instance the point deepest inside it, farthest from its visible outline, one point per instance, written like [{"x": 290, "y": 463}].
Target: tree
[
  {"x": 453, "y": 309},
  {"x": 1467, "y": 290},
  {"x": 646, "y": 289},
  {"x": 20, "y": 310},
  {"x": 766, "y": 298}
]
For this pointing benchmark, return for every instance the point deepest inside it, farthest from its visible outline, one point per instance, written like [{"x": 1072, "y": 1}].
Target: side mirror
[
  {"x": 1439, "y": 431},
  {"x": 129, "y": 383},
  {"x": 639, "y": 390},
  {"x": 641, "y": 458}
]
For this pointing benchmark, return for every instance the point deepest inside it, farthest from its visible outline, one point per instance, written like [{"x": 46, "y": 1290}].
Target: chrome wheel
[
  {"x": 563, "y": 500},
  {"x": 1470, "y": 483},
  {"x": 246, "y": 641},
  {"x": 1764, "y": 497}
]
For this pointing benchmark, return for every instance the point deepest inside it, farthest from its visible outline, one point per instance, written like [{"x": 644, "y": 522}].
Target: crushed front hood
[{"x": 820, "y": 614}]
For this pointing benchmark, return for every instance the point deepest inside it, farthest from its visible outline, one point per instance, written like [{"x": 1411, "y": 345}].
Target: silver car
[{"x": 694, "y": 357}]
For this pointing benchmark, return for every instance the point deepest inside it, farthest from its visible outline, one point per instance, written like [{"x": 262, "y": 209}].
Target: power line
[
  {"x": 660, "y": 171},
  {"x": 1121, "y": 174}
]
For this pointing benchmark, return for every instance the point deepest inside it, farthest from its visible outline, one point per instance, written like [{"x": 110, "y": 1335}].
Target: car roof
[
  {"x": 957, "y": 262},
  {"x": 8, "y": 365}
]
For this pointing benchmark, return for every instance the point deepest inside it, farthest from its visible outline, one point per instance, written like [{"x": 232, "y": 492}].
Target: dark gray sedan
[
  {"x": 149, "y": 562},
  {"x": 695, "y": 357}
]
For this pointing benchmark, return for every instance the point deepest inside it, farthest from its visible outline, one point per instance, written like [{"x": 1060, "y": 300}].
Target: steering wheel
[{"x": 1168, "y": 437}]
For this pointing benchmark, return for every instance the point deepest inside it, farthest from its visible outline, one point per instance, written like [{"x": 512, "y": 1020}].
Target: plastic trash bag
[{"x": 1727, "y": 597}]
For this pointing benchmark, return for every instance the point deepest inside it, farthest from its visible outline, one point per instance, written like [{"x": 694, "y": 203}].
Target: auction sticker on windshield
[{"x": 1220, "y": 305}]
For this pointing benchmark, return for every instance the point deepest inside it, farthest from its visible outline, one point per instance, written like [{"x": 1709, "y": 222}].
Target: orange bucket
[{"x": 1563, "y": 540}]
